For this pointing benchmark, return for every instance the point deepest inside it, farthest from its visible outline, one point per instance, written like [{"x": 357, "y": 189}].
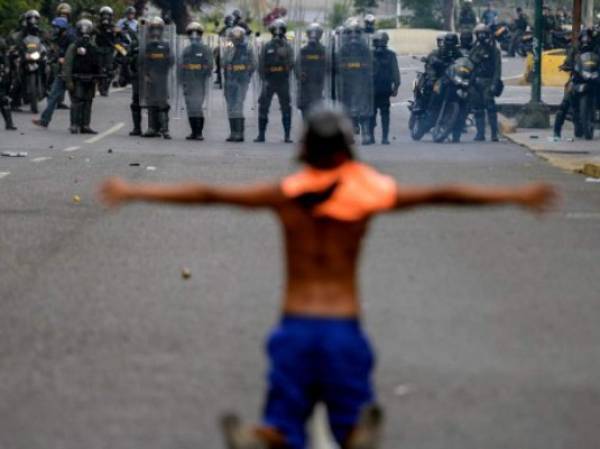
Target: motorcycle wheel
[
  {"x": 416, "y": 125},
  {"x": 586, "y": 115},
  {"x": 32, "y": 90},
  {"x": 445, "y": 124}
]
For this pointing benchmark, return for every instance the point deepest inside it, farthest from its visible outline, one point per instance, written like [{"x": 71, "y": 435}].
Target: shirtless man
[{"x": 318, "y": 352}]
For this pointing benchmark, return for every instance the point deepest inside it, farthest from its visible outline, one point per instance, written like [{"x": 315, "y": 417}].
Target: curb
[{"x": 592, "y": 170}]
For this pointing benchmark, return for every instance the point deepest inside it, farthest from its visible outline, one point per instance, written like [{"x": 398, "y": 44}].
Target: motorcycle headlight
[
  {"x": 462, "y": 93},
  {"x": 457, "y": 80},
  {"x": 580, "y": 87},
  {"x": 33, "y": 56}
]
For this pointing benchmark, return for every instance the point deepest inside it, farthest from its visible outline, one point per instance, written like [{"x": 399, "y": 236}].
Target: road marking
[
  {"x": 583, "y": 215},
  {"x": 4, "y": 174},
  {"x": 321, "y": 437},
  {"x": 108, "y": 132},
  {"x": 118, "y": 89},
  {"x": 71, "y": 149},
  {"x": 40, "y": 159}
]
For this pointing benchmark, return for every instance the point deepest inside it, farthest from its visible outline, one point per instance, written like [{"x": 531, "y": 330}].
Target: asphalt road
[{"x": 485, "y": 321}]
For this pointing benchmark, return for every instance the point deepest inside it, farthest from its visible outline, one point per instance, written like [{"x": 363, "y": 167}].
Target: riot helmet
[
  {"x": 238, "y": 36},
  {"x": 314, "y": 32},
  {"x": 236, "y": 14},
  {"x": 85, "y": 28},
  {"x": 64, "y": 10},
  {"x": 130, "y": 12},
  {"x": 380, "y": 39},
  {"x": 439, "y": 40},
  {"x": 369, "y": 23},
  {"x": 585, "y": 39},
  {"x": 59, "y": 26},
  {"x": 466, "y": 39},
  {"x": 228, "y": 21},
  {"x": 483, "y": 34},
  {"x": 106, "y": 15},
  {"x": 353, "y": 30},
  {"x": 194, "y": 30},
  {"x": 32, "y": 19},
  {"x": 450, "y": 41},
  {"x": 156, "y": 26},
  {"x": 278, "y": 28}
]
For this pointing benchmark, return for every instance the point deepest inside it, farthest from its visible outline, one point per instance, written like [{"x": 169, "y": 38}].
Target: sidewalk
[{"x": 580, "y": 156}]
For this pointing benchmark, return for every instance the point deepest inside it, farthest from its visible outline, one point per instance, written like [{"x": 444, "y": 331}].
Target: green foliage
[
  {"x": 10, "y": 10},
  {"x": 365, "y": 6},
  {"x": 427, "y": 13},
  {"x": 339, "y": 13},
  {"x": 385, "y": 23}
]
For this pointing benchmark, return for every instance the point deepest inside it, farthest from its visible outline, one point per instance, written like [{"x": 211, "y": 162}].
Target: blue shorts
[{"x": 317, "y": 360}]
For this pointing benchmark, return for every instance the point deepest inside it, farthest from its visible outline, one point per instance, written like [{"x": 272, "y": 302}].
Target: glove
[{"x": 70, "y": 86}]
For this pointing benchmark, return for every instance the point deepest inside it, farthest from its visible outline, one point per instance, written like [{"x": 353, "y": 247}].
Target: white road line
[
  {"x": 118, "y": 89},
  {"x": 4, "y": 174},
  {"x": 321, "y": 437},
  {"x": 71, "y": 149},
  {"x": 108, "y": 132},
  {"x": 583, "y": 215},
  {"x": 40, "y": 159}
]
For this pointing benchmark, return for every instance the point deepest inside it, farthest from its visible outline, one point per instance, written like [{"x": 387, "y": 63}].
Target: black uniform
[
  {"x": 386, "y": 82},
  {"x": 311, "y": 73},
  {"x": 5, "y": 88},
  {"x": 133, "y": 69},
  {"x": 275, "y": 64},
  {"x": 466, "y": 18},
  {"x": 105, "y": 42},
  {"x": 486, "y": 79},
  {"x": 520, "y": 26},
  {"x": 81, "y": 72}
]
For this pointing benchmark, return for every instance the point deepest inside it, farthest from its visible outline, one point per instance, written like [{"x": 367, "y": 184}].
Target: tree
[
  {"x": 11, "y": 10},
  {"x": 364, "y": 6},
  {"x": 177, "y": 10},
  {"x": 340, "y": 12}
]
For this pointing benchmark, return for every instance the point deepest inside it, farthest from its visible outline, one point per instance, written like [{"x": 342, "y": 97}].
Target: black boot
[
  {"x": 262, "y": 129},
  {"x": 10, "y": 126},
  {"x": 558, "y": 124},
  {"x": 493, "y": 121},
  {"x": 480, "y": 125},
  {"x": 164, "y": 124},
  {"x": 287, "y": 128},
  {"x": 153, "y": 123},
  {"x": 136, "y": 117},
  {"x": 76, "y": 117},
  {"x": 200, "y": 128},
  {"x": 365, "y": 130},
  {"x": 87, "y": 118},
  {"x": 385, "y": 127},
  {"x": 194, "y": 127},
  {"x": 241, "y": 126},
  {"x": 232, "y": 136}
]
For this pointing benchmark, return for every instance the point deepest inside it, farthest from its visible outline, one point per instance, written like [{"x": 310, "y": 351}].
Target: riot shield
[
  {"x": 195, "y": 64},
  {"x": 354, "y": 74},
  {"x": 312, "y": 69},
  {"x": 157, "y": 65},
  {"x": 239, "y": 63}
]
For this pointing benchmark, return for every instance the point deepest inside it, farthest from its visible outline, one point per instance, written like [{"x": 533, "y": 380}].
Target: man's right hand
[{"x": 539, "y": 197}]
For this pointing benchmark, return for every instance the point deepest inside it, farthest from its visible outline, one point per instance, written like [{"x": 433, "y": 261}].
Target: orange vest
[{"x": 361, "y": 190}]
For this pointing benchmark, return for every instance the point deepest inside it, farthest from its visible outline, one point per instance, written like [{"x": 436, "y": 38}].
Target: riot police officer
[
  {"x": 158, "y": 60},
  {"x": 486, "y": 84},
  {"x": 239, "y": 65},
  {"x": 466, "y": 17},
  {"x": 132, "y": 62},
  {"x": 386, "y": 83},
  {"x": 354, "y": 78},
  {"x": 311, "y": 69},
  {"x": 194, "y": 75},
  {"x": 81, "y": 71},
  {"x": 105, "y": 42},
  {"x": 275, "y": 63},
  {"x": 585, "y": 43},
  {"x": 5, "y": 87},
  {"x": 223, "y": 36},
  {"x": 238, "y": 21},
  {"x": 521, "y": 22}
]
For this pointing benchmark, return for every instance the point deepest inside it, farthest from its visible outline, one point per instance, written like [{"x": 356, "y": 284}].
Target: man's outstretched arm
[
  {"x": 537, "y": 196},
  {"x": 116, "y": 191}
]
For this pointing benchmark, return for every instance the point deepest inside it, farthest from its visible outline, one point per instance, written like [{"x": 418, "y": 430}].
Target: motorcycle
[
  {"x": 502, "y": 34},
  {"x": 586, "y": 81},
  {"x": 561, "y": 39},
  {"x": 417, "y": 123},
  {"x": 33, "y": 69},
  {"x": 525, "y": 46},
  {"x": 451, "y": 93}
]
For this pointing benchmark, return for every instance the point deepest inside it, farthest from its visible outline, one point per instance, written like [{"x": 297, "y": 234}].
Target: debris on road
[
  {"x": 404, "y": 389},
  {"x": 110, "y": 150},
  {"x": 150, "y": 168},
  {"x": 14, "y": 153},
  {"x": 134, "y": 164},
  {"x": 186, "y": 273},
  {"x": 592, "y": 180},
  {"x": 76, "y": 199},
  {"x": 533, "y": 136}
]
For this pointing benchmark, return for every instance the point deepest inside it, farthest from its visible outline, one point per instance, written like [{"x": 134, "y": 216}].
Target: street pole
[
  {"x": 576, "y": 19},
  {"x": 536, "y": 114},
  {"x": 398, "y": 12}
]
